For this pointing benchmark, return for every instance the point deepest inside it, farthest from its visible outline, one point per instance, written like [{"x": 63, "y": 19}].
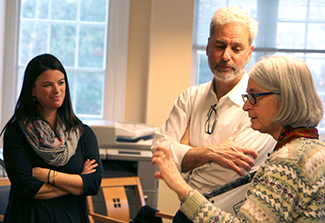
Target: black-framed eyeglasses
[
  {"x": 211, "y": 121},
  {"x": 252, "y": 97}
]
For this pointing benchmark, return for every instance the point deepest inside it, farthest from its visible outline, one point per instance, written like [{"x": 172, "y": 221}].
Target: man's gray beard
[{"x": 222, "y": 76}]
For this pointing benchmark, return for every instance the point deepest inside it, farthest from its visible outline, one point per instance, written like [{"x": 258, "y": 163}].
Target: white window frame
[{"x": 116, "y": 60}]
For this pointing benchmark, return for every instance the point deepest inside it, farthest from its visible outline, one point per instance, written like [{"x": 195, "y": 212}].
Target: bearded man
[{"x": 210, "y": 136}]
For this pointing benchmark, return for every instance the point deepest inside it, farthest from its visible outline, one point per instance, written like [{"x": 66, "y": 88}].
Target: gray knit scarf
[{"x": 55, "y": 148}]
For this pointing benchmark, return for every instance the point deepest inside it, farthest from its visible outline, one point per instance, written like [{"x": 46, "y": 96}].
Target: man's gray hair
[
  {"x": 290, "y": 77},
  {"x": 229, "y": 14}
]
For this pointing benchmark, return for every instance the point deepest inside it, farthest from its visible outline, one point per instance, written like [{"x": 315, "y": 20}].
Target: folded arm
[
  {"x": 58, "y": 183},
  {"x": 227, "y": 154}
]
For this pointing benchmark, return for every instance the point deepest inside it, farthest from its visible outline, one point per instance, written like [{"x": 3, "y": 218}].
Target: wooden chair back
[
  {"x": 4, "y": 196},
  {"x": 116, "y": 200}
]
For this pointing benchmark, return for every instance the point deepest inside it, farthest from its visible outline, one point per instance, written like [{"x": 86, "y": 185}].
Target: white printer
[
  {"x": 127, "y": 139},
  {"x": 124, "y": 149}
]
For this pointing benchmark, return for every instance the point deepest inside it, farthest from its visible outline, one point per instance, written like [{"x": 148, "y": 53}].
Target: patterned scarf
[
  {"x": 55, "y": 148},
  {"x": 288, "y": 134}
]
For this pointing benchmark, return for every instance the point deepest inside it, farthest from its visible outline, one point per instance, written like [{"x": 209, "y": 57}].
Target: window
[
  {"x": 84, "y": 35},
  {"x": 295, "y": 27},
  {"x": 75, "y": 31}
]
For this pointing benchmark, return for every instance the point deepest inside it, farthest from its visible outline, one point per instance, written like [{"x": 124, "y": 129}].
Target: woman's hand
[
  {"x": 42, "y": 174},
  {"x": 59, "y": 183},
  {"x": 89, "y": 166},
  {"x": 168, "y": 172}
]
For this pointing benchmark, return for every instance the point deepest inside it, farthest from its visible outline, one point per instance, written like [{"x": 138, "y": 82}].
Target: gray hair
[
  {"x": 292, "y": 80},
  {"x": 229, "y": 14}
]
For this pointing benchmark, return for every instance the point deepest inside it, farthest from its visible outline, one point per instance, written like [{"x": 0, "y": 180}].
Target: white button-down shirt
[{"x": 195, "y": 103}]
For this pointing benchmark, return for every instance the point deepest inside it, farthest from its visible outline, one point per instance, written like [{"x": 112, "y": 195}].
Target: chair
[
  {"x": 4, "y": 196},
  {"x": 116, "y": 201}
]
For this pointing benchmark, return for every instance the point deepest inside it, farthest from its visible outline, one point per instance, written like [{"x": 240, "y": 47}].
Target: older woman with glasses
[{"x": 282, "y": 101}]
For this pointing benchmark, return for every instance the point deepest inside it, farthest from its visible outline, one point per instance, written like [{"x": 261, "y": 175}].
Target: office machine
[
  {"x": 124, "y": 148},
  {"x": 116, "y": 139}
]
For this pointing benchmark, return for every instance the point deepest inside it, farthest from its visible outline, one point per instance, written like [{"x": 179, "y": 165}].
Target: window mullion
[
  {"x": 76, "y": 63},
  {"x": 306, "y": 28}
]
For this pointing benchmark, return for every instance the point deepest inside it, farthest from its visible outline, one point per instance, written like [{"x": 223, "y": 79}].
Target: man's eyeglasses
[
  {"x": 252, "y": 97},
  {"x": 208, "y": 127}
]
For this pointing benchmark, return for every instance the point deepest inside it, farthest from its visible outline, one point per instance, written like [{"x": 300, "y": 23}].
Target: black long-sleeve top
[{"x": 20, "y": 158}]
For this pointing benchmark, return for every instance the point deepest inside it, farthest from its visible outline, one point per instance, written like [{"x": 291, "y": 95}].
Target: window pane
[
  {"x": 87, "y": 92},
  {"x": 204, "y": 12},
  {"x": 20, "y": 78},
  {"x": 317, "y": 9},
  {"x": 247, "y": 5},
  {"x": 64, "y": 9},
  {"x": 33, "y": 40},
  {"x": 321, "y": 125},
  {"x": 76, "y": 33},
  {"x": 292, "y": 10},
  {"x": 93, "y": 10},
  {"x": 316, "y": 36},
  {"x": 37, "y": 9},
  {"x": 92, "y": 46},
  {"x": 316, "y": 63},
  {"x": 203, "y": 68},
  {"x": 290, "y": 35},
  {"x": 63, "y": 43},
  {"x": 301, "y": 56}
]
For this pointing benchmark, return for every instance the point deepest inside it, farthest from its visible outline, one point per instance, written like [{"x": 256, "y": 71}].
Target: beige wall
[
  {"x": 159, "y": 57},
  {"x": 159, "y": 66},
  {"x": 2, "y": 37},
  {"x": 138, "y": 61},
  {"x": 170, "y": 56}
]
